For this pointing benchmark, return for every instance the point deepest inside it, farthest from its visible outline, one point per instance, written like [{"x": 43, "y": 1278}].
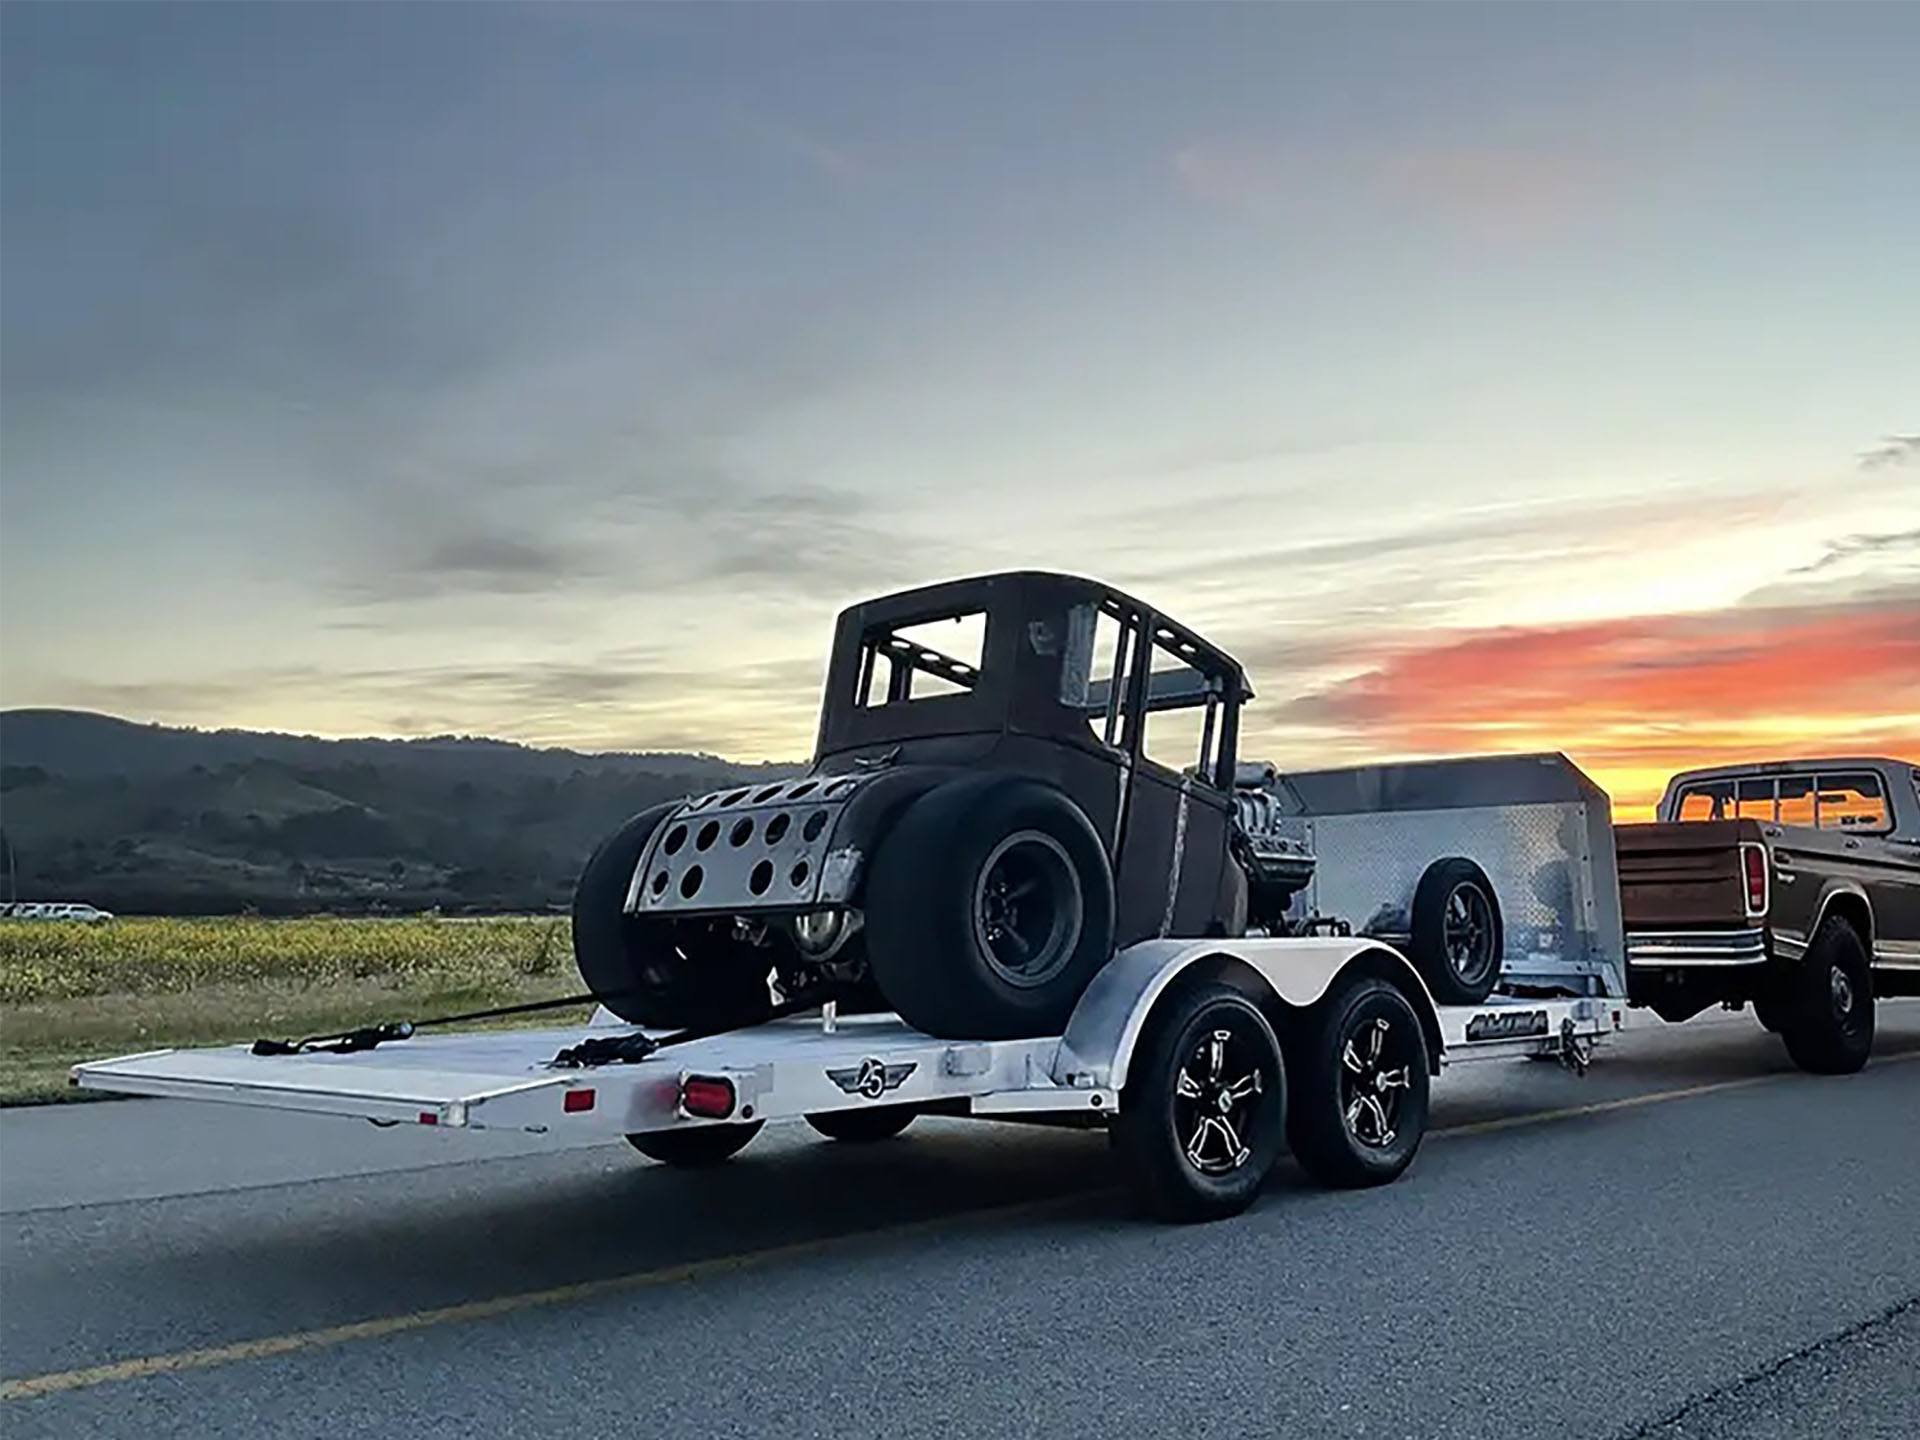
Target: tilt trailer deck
[{"x": 1204, "y": 1058}]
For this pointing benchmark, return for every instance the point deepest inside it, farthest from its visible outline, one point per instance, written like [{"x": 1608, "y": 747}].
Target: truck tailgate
[{"x": 1673, "y": 876}]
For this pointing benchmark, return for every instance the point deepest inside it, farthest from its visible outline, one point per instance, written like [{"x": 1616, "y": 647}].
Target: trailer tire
[
  {"x": 989, "y": 909},
  {"x": 1202, "y": 1114},
  {"x": 1360, "y": 1085},
  {"x": 864, "y": 1127},
  {"x": 696, "y": 1148},
  {"x": 1457, "y": 937},
  {"x": 1828, "y": 1022},
  {"x": 654, "y": 971}
]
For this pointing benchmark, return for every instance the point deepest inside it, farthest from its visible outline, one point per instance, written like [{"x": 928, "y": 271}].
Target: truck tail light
[
  {"x": 1758, "y": 876},
  {"x": 575, "y": 1102},
  {"x": 706, "y": 1096}
]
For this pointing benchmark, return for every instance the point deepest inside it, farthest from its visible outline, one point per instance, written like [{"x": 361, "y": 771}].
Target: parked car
[
  {"x": 40, "y": 910},
  {"x": 1793, "y": 886}
]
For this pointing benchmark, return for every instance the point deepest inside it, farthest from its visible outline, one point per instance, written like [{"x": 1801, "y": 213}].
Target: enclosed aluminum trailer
[{"x": 1535, "y": 828}]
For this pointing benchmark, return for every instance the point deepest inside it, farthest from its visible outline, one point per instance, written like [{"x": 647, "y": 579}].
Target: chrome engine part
[{"x": 1273, "y": 843}]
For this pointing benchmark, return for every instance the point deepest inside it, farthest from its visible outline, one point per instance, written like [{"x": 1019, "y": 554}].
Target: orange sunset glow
[{"x": 1635, "y": 700}]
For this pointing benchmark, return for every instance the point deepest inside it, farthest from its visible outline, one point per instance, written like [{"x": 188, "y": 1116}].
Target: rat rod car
[{"x": 975, "y": 836}]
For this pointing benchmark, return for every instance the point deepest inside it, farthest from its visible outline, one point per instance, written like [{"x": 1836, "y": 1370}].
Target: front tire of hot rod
[
  {"x": 989, "y": 908},
  {"x": 652, "y": 971}
]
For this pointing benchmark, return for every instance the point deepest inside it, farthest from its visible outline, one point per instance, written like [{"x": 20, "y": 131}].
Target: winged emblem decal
[{"x": 872, "y": 1077}]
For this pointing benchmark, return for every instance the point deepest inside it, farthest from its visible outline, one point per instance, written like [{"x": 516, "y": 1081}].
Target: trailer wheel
[
  {"x": 1828, "y": 1025},
  {"x": 1457, "y": 939},
  {"x": 655, "y": 971},
  {"x": 989, "y": 909},
  {"x": 1202, "y": 1114},
  {"x": 863, "y": 1127},
  {"x": 1361, "y": 1079},
  {"x": 695, "y": 1148}
]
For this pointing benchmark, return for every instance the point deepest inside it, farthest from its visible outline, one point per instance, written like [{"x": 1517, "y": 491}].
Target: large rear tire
[
  {"x": 1360, "y": 1085},
  {"x": 1201, "y": 1117},
  {"x": 658, "y": 972},
  {"x": 989, "y": 909},
  {"x": 1457, "y": 938},
  {"x": 1828, "y": 1022}
]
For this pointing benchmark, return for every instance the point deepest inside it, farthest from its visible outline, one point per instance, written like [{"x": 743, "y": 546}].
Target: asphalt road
[{"x": 1691, "y": 1242}]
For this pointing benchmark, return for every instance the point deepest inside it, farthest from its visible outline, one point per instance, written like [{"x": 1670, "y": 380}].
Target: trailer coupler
[{"x": 1576, "y": 1051}]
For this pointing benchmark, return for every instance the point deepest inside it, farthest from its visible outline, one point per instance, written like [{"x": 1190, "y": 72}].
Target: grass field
[{"x": 72, "y": 992}]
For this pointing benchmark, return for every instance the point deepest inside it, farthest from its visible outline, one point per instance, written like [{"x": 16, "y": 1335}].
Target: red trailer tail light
[
  {"x": 1753, "y": 865},
  {"x": 577, "y": 1101},
  {"x": 707, "y": 1096}
]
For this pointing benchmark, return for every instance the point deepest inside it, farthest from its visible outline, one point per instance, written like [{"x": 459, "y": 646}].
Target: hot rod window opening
[{"x": 921, "y": 660}]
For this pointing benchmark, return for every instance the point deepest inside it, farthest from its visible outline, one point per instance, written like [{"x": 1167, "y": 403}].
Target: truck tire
[
  {"x": 989, "y": 909},
  {"x": 1202, "y": 1114},
  {"x": 1457, "y": 939},
  {"x": 696, "y": 1148},
  {"x": 1828, "y": 1022},
  {"x": 863, "y": 1127},
  {"x": 1360, "y": 1085},
  {"x": 656, "y": 972}
]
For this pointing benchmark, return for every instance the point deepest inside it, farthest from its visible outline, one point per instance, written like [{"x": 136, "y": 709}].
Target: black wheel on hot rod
[
  {"x": 1457, "y": 940},
  {"x": 1360, "y": 1072},
  {"x": 1202, "y": 1113},
  {"x": 655, "y": 971},
  {"x": 989, "y": 908}
]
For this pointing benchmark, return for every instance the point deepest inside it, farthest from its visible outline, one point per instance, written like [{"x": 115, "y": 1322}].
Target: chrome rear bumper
[{"x": 1673, "y": 949}]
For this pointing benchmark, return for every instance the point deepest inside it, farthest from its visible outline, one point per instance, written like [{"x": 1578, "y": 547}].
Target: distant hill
[{"x": 154, "y": 818}]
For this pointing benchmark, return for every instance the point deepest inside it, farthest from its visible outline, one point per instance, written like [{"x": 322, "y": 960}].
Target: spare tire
[
  {"x": 654, "y": 971},
  {"x": 1457, "y": 941},
  {"x": 989, "y": 909}
]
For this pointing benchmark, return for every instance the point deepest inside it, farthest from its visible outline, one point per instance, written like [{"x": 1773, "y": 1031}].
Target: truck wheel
[
  {"x": 989, "y": 908},
  {"x": 863, "y": 1127},
  {"x": 1360, "y": 1086},
  {"x": 658, "y": 972},
  {"x": 1828, "y": 1026},
  {"x": 1457, "y": 938},
  {"x": 1202, "y": 1114},
  {"x": 692, "y": 1149}
]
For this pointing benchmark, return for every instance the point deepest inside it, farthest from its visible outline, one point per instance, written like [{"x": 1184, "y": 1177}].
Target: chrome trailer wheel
[
  {"x": 1202, "y": 1114},
  {"x": 1361, "y": 1069}
]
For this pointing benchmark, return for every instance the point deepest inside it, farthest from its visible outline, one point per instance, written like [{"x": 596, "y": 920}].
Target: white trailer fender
[{"x": 1107, "y": 1023}]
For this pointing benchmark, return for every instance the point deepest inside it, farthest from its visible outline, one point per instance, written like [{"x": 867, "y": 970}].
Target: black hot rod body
[{"x": 1014, "y": 774}]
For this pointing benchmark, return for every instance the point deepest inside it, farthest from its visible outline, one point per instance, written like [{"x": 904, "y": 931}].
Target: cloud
[
  {"x": 1892, "y": 450},
  {"x": 1637, "y": 696},
  {"x": 1852, "y": 547}
]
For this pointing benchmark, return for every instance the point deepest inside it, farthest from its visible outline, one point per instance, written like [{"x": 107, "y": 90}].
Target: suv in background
[{"x": 1792, "y": 885}]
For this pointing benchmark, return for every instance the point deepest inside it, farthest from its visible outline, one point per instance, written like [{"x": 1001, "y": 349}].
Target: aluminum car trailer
[{"x": 1205, "y": 1060}]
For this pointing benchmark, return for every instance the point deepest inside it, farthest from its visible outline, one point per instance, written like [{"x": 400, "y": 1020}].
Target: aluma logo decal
[{"x": 871, "y": 1077}]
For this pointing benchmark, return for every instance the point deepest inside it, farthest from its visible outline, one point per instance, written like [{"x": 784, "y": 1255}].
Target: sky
[{"x": 1486, "y": 378}]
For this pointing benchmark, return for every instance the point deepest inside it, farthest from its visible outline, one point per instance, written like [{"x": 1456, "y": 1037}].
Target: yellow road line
[
  {"x": 213, "y": 1356},
  {"x": 217, "y": 1355}
]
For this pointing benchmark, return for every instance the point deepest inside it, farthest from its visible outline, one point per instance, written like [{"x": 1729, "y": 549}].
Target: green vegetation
[{"x": 71, "y": 992}]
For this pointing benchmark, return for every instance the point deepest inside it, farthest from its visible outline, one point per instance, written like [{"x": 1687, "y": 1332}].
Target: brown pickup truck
[{"x": 1793, "y": 886}]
